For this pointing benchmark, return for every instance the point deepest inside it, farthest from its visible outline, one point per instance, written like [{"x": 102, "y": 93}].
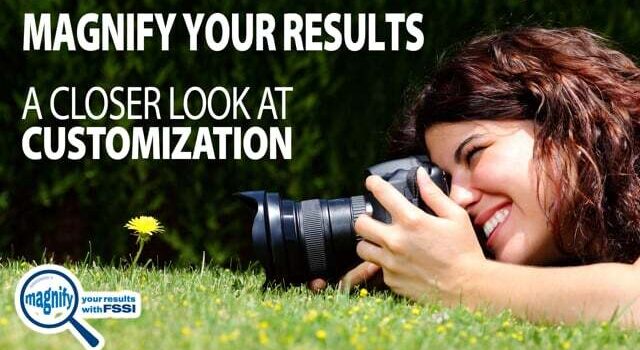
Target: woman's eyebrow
[{"x": 458, "y": 154}]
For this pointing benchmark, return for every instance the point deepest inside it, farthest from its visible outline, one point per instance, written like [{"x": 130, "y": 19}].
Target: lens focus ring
[
  {"x": 313, "y": 230},
  {"x": 358, "y": 207}
]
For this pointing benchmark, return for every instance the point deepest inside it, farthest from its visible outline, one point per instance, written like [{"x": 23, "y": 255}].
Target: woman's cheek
[
  {"x": 494, "y": 173},
  {"x": 505, "y": 170}
]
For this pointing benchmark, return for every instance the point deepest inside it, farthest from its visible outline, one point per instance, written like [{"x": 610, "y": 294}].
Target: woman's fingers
[
  {"x": 370, "y": 252},
  {"x": 434, "y": 198},
  {"x": 372, "y": 230},
  {"x": 392, "y": 200},
  {"x": 317, "y": 284},
  {"x": 359, "y": 274}
]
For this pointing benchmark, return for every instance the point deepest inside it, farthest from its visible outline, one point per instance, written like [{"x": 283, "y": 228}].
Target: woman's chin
[
  {"x": 514, "y": 251},
  {"x": 510, "y": 258},
  {"x": 519, "y": 257}
]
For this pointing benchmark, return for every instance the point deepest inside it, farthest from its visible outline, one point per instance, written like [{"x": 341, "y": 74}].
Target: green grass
[{"x": 216, "y": 308}]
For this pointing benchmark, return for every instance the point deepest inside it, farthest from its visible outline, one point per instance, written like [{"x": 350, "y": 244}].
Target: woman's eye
[{"x": 472, "y": 153}]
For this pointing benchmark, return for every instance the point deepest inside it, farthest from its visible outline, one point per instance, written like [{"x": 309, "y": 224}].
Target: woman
[{"x": 539, "y": 130}]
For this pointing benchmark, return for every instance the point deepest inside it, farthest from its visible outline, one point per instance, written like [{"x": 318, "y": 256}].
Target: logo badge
[{"x": 49, "y": 299}]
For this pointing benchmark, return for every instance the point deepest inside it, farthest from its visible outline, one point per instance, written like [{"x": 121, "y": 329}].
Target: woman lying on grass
[{"x": 539, "y": 130}]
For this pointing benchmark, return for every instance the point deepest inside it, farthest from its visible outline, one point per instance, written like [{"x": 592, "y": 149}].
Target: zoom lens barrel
[{"x": 298, "y": 241}]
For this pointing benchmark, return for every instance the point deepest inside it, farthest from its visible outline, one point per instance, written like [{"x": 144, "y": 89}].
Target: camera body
[
  {"x": 402, "y": 174},
  {"x": 315, "y": 238}
]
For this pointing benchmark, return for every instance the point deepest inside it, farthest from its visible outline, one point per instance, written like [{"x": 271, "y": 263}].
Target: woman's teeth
[{"x": 496, "y": 219}]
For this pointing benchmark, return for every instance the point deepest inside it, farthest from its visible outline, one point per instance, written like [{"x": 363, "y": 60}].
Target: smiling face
[{"x": 493, "y": 177}]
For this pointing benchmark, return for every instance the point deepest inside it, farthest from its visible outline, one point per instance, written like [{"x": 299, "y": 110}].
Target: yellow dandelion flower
[
  {"x": 441, "y": 329},
  {"x": 263, "y": 338},
  {"x": 4, "y": 321},
  {"x": 321, "y": 334},
  {"x": 228, "y": 337},
  {"x": 518, "y": 336},
  {"x": 185, "y": 331},
  {"x": 566, "y": 345},
  {"x": 310, "y": 316},
  {"x": 353, "y": 310},
  {"x": 144, "y": 226},
  {"x": 263, "y": 325},
  {"x": 363, "y": 292},
  {"x": 415, "y": 311},
  {"x": 473, "y": 340},
  {"x": 407, "y": 326},
  {"x": 223, "y": 338}
]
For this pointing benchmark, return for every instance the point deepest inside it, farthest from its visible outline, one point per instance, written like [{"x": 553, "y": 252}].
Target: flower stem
[{"x": 135, "y": 260}]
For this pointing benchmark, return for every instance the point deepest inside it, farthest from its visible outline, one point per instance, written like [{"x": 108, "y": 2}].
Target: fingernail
[{"x": 422, "y": 172}]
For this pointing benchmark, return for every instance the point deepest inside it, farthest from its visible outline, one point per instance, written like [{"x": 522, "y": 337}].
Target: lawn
[{"x": 216, "y": 308}]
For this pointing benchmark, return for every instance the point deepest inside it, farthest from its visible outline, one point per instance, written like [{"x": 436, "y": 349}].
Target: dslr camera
[{"x": 297, "y": 241}]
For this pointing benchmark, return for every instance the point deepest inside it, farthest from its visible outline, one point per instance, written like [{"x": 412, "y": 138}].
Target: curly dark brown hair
[{"x": 584, "y": 99}]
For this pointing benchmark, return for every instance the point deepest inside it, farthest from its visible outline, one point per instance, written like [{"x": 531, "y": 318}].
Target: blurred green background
[{"x": 341, "y": 109}]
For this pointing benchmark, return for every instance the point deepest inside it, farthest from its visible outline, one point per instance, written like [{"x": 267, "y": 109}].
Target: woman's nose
[{"x": 463, "y": 194}]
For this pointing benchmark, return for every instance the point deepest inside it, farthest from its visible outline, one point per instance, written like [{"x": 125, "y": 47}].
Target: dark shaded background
[{"x": 341, "y": 108}]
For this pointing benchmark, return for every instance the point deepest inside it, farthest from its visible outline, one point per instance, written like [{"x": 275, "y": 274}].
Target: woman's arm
[
  {"x": 425, "y": 256},
  {"x": 558, "y": 294}
]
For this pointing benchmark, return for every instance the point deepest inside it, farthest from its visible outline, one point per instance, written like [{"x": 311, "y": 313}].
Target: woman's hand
[
  {"x": 364, "y": 272},
  {"x": 420, "y": 254}
]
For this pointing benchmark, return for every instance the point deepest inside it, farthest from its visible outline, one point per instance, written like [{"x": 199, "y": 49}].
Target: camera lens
[{"x": 299, "y": 241}]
